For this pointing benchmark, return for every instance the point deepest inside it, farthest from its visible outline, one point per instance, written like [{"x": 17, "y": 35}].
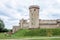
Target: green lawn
[{"x": 7, "y": 37}]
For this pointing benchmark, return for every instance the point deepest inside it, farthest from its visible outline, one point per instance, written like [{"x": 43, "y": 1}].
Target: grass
[
  {"x": 37, "y": 32},
  {"x": 47, "y": 39},
  {"x": 35, "y": 38},
  {"x": 4, "y": 37},
  {"x": 33, "y": 34}
]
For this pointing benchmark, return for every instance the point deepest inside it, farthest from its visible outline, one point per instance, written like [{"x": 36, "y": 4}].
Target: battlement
[
  {"x": 48, "y": 22},
  {"x": 34, "y": 6}
]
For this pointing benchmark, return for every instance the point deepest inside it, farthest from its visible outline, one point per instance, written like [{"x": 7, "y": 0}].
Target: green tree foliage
[
  {"x": 1, "y": 25},
  {"x": 5, "y": 30}
]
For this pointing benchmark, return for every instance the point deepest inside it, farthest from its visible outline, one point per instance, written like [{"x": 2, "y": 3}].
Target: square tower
[{"x": 34, "y": 16}]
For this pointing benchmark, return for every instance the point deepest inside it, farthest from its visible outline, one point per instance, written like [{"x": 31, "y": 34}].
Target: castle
[{"x": 35, "y": 22}]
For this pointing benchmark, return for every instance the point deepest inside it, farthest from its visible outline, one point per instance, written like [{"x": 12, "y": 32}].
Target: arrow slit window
[{"x": 34, "y": 9}]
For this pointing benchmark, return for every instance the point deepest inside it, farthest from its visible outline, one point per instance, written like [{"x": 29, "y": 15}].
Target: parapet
[
  {"x": 34, "y": 6},
  {"x": 48, "y": 22}
]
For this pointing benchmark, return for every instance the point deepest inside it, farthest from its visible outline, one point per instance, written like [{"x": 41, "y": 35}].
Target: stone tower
[{"x": 34, "y": 16}]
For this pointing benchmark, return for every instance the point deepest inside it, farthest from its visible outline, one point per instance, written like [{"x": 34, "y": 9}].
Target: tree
[
  {"x": 5, "y": 30},
  {"x": 1, "y": 25}
]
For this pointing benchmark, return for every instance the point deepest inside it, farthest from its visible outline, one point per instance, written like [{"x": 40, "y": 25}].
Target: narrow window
[{"x": 34, "y": 9}]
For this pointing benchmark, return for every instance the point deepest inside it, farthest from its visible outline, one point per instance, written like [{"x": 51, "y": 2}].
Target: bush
[{"x": 4, "y": 30}]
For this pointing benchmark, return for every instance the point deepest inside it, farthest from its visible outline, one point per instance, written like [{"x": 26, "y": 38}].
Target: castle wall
[
  {"x": 47, "y": 21},
  {"x": 15, "y": 28},
  {"x": 48, "y": 26},
  {"x": 24, "y": 24},
  {"x": 43, "y": 24}
]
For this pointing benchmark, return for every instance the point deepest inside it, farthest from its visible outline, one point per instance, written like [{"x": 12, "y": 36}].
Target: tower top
[{"x": 34, "y": 6}]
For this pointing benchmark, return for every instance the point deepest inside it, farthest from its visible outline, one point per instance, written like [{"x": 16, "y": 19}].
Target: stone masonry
[{"x": 35, "y": 22}]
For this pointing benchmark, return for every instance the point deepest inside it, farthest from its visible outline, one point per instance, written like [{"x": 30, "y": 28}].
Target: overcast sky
[{"x": 11, "y": 11}]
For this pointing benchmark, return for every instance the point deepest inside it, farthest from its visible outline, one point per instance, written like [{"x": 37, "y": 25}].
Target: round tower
[{"x": 34, "y": 16}]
